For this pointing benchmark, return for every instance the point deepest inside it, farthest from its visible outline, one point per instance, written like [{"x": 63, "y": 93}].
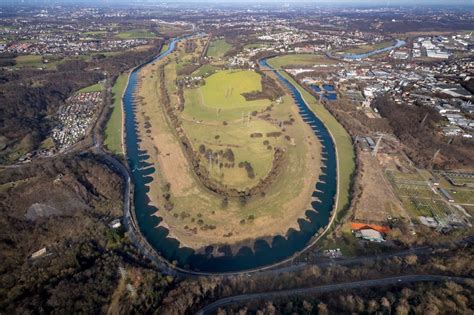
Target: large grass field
[
  {"x": 224, "y": 89},
  {"x": 113, "y": 130},
  {"x": 343, "y": 142},
  {"x": 300, "y": 59},
  {"x": 218, "y": 48},
  {"x": 218, "y": 100}
]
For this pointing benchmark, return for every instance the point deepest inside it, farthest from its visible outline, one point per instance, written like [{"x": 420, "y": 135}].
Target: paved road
[{"x": 328, "y": 288}]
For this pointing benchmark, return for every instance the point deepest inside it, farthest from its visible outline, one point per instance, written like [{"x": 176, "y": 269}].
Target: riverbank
[{"x": 233, "y": 225}]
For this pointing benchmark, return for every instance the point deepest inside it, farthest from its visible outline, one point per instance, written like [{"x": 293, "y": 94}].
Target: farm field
[
  {"x": 200, "y": 217},
  {"x": 218, "y": 48},
  {"x": 113, "y": 130}
]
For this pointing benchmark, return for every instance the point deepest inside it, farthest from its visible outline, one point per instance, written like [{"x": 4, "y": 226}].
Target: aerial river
[
  {"x": 398, "y": 44},
  {"x": 263, "y": 252}
]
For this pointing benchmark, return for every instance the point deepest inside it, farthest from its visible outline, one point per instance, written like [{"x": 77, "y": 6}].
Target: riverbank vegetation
[{"x": 114, "y": 127}]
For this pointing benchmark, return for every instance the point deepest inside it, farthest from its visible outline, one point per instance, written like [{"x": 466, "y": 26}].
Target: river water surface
[{"x": 262, "y": 252}]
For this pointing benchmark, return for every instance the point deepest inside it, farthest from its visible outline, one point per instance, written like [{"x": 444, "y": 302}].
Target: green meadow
[
  {"x": 218, "y": 48},
  {"x": 299, "y": 59}
]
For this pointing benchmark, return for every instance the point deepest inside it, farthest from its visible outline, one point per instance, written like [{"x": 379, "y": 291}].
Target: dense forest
[{"x": 423, "y": 298}]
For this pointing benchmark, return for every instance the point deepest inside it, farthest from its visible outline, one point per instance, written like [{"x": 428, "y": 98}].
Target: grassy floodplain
[
  {"x": 113, "y": 130},
  {"x": 199, "y": 217},
  {"x": 218, "y": 48},
  {"x": 220, "y": 99},
  {"x": 343, "y": 143},
  {"x": 300, "y": 59}
]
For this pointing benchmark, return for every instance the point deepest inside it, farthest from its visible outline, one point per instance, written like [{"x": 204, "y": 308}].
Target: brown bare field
[{"x": 377, "y": 201}]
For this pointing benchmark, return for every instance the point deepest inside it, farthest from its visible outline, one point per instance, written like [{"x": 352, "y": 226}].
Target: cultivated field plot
[{"x": 416, "y": 195}]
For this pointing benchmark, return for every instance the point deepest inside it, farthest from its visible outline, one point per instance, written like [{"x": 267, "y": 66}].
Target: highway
[{"x": 329, "y": 288}]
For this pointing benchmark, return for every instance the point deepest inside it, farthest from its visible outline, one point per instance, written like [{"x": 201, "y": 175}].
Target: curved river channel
[{"x": 262, "y": 252}]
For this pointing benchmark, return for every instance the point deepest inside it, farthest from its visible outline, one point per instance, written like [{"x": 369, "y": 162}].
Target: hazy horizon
[{"x": 217, "y": 2}]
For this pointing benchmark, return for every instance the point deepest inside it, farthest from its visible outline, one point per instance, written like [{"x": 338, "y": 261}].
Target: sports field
[{"x": 218, "y": 48}]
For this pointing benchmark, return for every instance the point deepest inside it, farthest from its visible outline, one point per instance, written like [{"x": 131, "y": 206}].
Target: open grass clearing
[
  {"x": 137, "y": 33},
  {"x": 218, "y": 48},
  {"x": 224, "y": 89},
  {"x": 245, "y": 148}
]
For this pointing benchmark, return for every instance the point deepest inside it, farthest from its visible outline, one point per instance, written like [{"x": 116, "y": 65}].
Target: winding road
[{"x": 329, "y": 288}]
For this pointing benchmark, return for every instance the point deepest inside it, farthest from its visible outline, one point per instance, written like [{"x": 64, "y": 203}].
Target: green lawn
[
  {"x": 113, "y": 130},
  {"x": 299, "y": 59},
  {"x": 345, "y": 150},
  {"x": 218, "y": 48},
  {"x": 224, "y": 89},
  {"x": 91, "y": 88}
]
